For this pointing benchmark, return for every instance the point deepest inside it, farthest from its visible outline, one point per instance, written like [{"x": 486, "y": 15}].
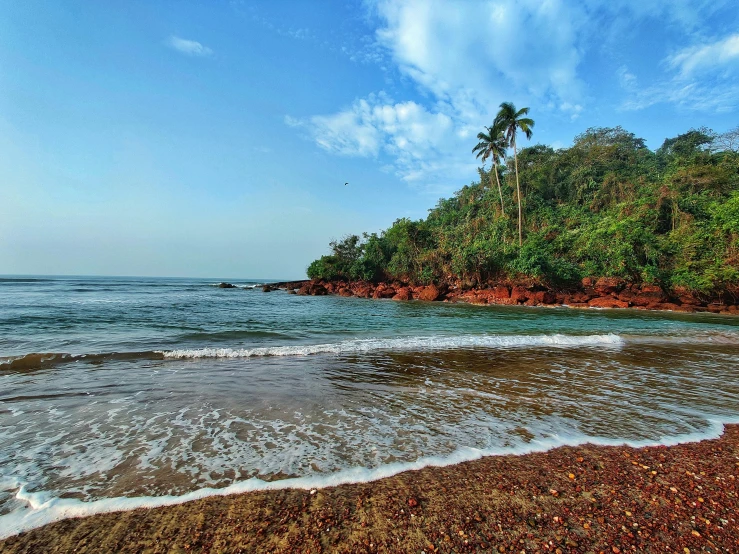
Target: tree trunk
[
  {"x": 500, "y": 190},
  {"x": 518, "y": 190}
]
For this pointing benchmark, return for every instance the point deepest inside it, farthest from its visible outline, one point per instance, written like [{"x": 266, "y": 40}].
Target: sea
[{"x": 118, "y": 393}]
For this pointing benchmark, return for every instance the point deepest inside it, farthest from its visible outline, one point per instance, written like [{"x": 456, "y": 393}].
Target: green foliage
[{"x": 606, "y": 206}]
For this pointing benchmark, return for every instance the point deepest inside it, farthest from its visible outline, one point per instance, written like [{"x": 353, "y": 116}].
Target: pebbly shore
[{"x": 587, "y": 499}]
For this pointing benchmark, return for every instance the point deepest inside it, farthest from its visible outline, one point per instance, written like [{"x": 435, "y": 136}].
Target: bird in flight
[{"x": 346, "y": 184}]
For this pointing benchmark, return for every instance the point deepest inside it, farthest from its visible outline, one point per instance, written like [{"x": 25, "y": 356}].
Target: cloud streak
[
  {"x": 705, "y": 77},
  {"x": 189, "y": 47},
  {"x": 705, "y": 58}
]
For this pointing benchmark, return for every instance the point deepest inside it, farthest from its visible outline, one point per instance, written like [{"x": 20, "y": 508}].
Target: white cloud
[
  {"x": 189, "y": 47},
  {"x": 479, "y": 53},
  {"x": 466, "y": 57},
  {"x": 420, "y": 141},
  {"x": 626, "y": 78},
  {"x": 704, "y": 78},
  {"x": 704, "y": 58}
]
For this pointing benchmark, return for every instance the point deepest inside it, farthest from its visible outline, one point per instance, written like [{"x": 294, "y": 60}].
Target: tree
[
  {"x": 492, "y": 145},
  {"x": 510, "y": 121},
  {"x": 728, "y": 141}
]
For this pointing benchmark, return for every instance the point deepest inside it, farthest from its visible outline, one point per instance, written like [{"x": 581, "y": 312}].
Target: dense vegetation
[{"x": 606, "y": 206}]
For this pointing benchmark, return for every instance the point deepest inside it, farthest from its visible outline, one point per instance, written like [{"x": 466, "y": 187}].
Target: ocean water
[{"x": 124, "y": 392}]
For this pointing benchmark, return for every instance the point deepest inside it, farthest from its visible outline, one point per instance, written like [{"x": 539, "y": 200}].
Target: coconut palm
[
  {"x": 510, "y": 121},
  {"x": 492, "y": 145}
]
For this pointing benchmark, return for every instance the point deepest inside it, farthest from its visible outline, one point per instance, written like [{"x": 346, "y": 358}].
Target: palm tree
[
  {"x": 492, "y": 145},
  {"x": 510, "y": 121}
]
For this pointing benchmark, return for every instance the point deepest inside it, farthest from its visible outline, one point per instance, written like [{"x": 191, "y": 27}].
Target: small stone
[
  {"x": 695, "y": 533},
  {"x": 571, "y": 476}
]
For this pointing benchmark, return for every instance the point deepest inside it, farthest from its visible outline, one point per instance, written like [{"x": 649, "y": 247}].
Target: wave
[
  {"x": 43, "y": 508},
  {"x": 45, "y": 360},
  {"x": 404, "y": 343}
]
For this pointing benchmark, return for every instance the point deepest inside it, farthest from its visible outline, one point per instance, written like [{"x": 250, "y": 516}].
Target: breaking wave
[{"x": 404, "y": 343}]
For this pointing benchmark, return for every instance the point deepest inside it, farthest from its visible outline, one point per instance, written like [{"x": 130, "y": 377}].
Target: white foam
[
  {"x": 404, "y": 343},
  {"x": 44, "y": 508}
]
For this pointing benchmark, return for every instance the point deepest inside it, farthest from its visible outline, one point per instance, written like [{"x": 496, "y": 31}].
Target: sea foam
[
  {"x": 43, "y": 508},
  {"x": 403, "y": 343}
]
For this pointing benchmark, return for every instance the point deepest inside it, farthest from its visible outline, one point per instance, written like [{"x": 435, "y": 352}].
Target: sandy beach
[{"x": 572, "y": 499}]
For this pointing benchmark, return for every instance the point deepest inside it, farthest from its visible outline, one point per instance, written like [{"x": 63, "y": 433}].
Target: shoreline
[
  {"x": 576, "y": 499},
  {"x": 606, "y": 292}
]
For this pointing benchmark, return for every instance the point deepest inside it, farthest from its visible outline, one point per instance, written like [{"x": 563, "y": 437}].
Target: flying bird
[{"x": 346, "y": 184}]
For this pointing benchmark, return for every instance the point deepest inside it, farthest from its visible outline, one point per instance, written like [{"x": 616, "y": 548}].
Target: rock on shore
[{"x": 604, "y": 292}]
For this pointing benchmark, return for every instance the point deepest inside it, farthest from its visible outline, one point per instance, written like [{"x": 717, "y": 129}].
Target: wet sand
[{"x": 572, "y": 499}]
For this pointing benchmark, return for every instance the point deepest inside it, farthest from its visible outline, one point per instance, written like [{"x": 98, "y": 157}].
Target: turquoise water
[{"x": 123, "y": 388}]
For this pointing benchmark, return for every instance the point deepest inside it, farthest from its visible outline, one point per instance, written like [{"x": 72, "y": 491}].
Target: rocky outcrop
[
  {"x": 429, "y": 293},
  {"x": 604, "y": 302},
  {"x": 313, "y": 289},
  {"x": 226, "y": 286},
  {"x": 604, "y": 292},
  {"x": 404, "y": 293}
]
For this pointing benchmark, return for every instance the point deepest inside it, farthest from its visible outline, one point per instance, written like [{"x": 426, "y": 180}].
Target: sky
[{"x": 214, "y": 138}]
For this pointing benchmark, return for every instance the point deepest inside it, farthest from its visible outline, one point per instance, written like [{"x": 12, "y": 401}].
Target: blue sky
[{"x": 214, "y": 138}]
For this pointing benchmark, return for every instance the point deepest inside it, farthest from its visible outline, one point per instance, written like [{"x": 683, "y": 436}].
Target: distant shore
[
  {"x": 612, "y": 499},
  {"x": 606, "y": 292}
]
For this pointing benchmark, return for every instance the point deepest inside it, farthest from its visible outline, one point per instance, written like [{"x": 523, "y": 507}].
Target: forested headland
[{"x": 607, "y": 206}]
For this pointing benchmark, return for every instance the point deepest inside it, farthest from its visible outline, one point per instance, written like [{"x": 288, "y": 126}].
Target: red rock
[
  {"x": 664, "y": 306},
  {"x": 343, "y": 291},
  {"x": 609, "y": 285},
  {"x": 580, "y": 298},
  {"x": 519, "y": 294},
  {"x": 500, "y": 292},
  {"x": 648, "y": 295},
  {"x": 686, "y": 296},
  {"x": 607, "y": 303},
  {"x": 429, "y": 293},
  {"x": 318, "y": 290},
  {"x": 403, "y": 293},
  {"x": 588, "y": 282},
  {"x": 544, "y": 297},
  {"x": 383, "y": 291},
  {"x": 362, "y": 290}
]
